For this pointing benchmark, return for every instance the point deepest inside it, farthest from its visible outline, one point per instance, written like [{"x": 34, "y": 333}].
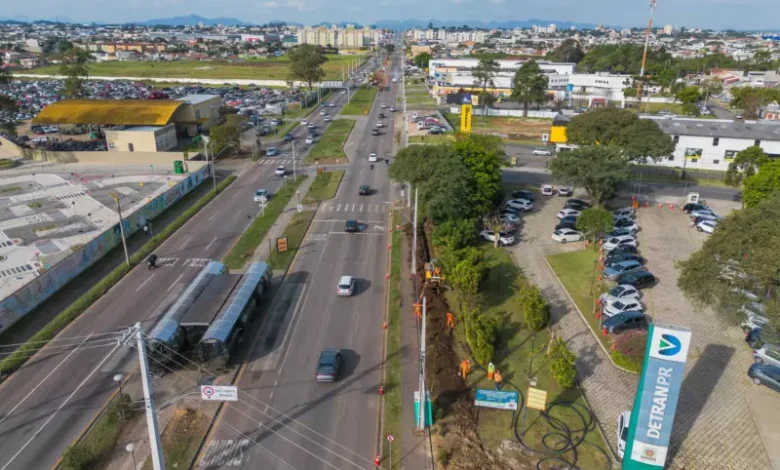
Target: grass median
[
  {"x": 331, "y": 143},
  {"x": 324, "y": 186},
  {"x": 431, "y": 139},
  {"x": 360, "y": 102},
  {"x": 391, "y": 416},
  {"x": 182, "y": 438},
  {"x": 74, "y": 310},
  {"x": 295, "y": 232},
  {"x": 245, "y": 247},
  {"x": 101, "y": 438}
]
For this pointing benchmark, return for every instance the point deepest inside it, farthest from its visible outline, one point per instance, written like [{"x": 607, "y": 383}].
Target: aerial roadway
[
  {"x": 46, "y": 404},
  {"x": 286, "y": 418}
]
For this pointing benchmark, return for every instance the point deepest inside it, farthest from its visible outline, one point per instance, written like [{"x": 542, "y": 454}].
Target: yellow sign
[
  {"x": 281, "y": 244},
  {"x": 513, "y": 161},
  {"x": 537, "y": 399},
  {"x": 465, "y": 118}
]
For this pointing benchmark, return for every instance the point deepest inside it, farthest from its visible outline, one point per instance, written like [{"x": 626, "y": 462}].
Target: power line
[
  {"x": 43, "y": 352},
  {"x": 69, "y": 338}
]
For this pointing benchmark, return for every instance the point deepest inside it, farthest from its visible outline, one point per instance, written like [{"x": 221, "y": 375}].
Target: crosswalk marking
[
  {"x": 354, "y": 208},
  {"x": 275, "y": 161},
  {"x": 361, "y": 208}
]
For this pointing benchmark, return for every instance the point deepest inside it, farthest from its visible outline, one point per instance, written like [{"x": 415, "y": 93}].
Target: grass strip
[
  {"x": 331, "y": 143},
  {"x": 101, "y": 438},
  {"x": 295, "y": 231},
  {"x": 324, "y": 186},
  {"x": 39, "y": 340},
  {"x": 391, "y": 417},
  {"x": 181, "y": 438},
  {"x": 360, "y": 102},
  {"x": 245, "y": 247},
  {"x": 431, "y": 139}
]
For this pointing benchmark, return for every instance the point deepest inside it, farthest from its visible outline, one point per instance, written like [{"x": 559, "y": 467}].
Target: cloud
[{"x": 271, "y": 4}]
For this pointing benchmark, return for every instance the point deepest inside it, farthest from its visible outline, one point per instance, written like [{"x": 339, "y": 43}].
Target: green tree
[
  {"x": 562, "y": 364},
  {"x": 465, "y": 278},
  {"x": 64, "y": 46},
  {"x": 5, "y": 77},
  {"x": 666, "y": 78},
  {"x": 629, "y": 92},
  {"x": 227, "y": 135},
  {"x": 483, "y": 156},
  {"x": 306, "y": 64},
  {"x": 568, "y": 51},
  {"x": 636, "y": 138},
  {"x": 455, "y": 234},
  {"x": 595, "y": 222},
  {"x": 481, "y": 329},
  {"x": 746, "y": 163},
  {"x": 422, "y": 60},
  {"x": 762, "y": 185},
  {"x": 536, "y": 310},
  {"x": 449, "y": 194},
  {"x": 600, "y": 171},
  {"x": 529, "y": 85},
  {"x": 751, "y": 99},
  {"x": 689, "y": 96},
  {"x": 484, "y": 74},
  {"x": 76, "y": 72},
  {"x": 711, "y": 86},
  {"x": 390, "y": 48}
]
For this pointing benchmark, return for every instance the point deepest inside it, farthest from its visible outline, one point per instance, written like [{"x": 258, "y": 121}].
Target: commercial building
[
  {"x": 141, "y": 138},
  {"x": 199, "y": 113}
]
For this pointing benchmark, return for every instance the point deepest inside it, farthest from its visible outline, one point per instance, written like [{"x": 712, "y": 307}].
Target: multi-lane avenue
[{"x": 286, "y": 419}]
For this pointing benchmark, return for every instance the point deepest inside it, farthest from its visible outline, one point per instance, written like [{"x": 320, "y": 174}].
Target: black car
[
  {"x": 616, "y": 256},
  {"x": 364, "y": 190},
  {"x": 288, "y": 137},
  {"x": 578, "y": 204},
  {"x": 638, "y": 279},
  {"x": 690, "y": 207},
  {"x": 626, "y": 249},
  {"x": 351, "y": 226},
  {"x": 328, "y": 365},
  {"x": 524, "y": 194},
  {"x": 760, "y": 336},
  {"x": 569, "y": 224},
  {"x": 375, "y": 131},
  {"x": 381, "y": 115},
  {"x": 763, "y": 374},
  {"x": 624, "y": 321},
  {"x": 569, "y": 219}
]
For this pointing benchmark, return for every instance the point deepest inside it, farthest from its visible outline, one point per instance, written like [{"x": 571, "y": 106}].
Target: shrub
[
  {"x": 536, "y": 310},
  {"x": 628, "y": 350},
  {"x": 562, "y": 364},
  {"x": 481, "y": 335},
  {"x": 444, "y": 456},
  {"x": 455, "y": 234}
]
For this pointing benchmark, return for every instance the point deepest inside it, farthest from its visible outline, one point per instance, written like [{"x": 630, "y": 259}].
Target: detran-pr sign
[{"x": 652, "y": 417}]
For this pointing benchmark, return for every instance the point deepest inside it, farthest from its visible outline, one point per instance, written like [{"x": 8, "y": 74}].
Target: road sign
[
  {"x": 299, "y": 208},
  {"x": 496, "y": 399},
  {"x": 537, "y": 399},
  {"x": 390, "y": 438},
  {"x": 465, "y": 118},
  {"x": 281, "y": 244},
  {"x": 219, "y": 392},
  {"x": 545, "y": 137}
]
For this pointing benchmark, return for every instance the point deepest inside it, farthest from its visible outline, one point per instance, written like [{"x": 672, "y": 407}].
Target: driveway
[{"x": 713, "y": 428}]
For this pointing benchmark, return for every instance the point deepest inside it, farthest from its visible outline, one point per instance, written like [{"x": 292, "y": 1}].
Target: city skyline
[{"x": 705, "y": 14}]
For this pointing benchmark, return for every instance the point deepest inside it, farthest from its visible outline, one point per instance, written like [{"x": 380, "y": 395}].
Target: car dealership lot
[{"x": 714, "y": 427}]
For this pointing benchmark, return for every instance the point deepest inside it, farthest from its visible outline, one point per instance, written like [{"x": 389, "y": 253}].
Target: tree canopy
[
  {"x": 762, "y": 185},
  {"x": 422, "y": 60},
  {"x": 600, "y": 171},
  {"x": 627, "y": 58},
  {"x": 485, "y": 71},
  {"x": 568, "y": 51},
  {"x": 746, "y": 163},
  {"x": 226, "y": 135},
  {"x": 306, "y": 64},
  {"x": 751, "y": 99},
  {"x": 636, "y": 138},
  {"x": 689, "y": 96},
  {"x": 529, "y": 85},
  {"x": 76, "y": 73},
  {"x": 595, "y": 222}
]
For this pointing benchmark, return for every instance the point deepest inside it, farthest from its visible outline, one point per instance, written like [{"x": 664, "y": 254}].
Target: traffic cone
[
  {"x": 647, "y": 203},
  {"x": 598, "y": 314},
  {"x": 387, "y": 276},
  {"x": 378, "y": 460},
  {"x": 603, "y": 332},
  {"x": 384, "y": 325},
  {"x": 381, "y": 390},
  {"x": 660, "y": 206},
  {"x": 671, "y": 206},
  {"x": 598, "y": 301},
  {"x": 389, "y": 245}
]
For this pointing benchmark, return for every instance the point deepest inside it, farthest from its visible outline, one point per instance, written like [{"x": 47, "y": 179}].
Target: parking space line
[{"x": 144, "y": 283}]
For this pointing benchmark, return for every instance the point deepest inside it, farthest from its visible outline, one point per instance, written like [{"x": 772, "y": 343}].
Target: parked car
[
  {"x": 626, "y": 224},
  {"x": 623, "y": 421},
  {"x": 569, "y": 219},
  {"x": 568, "y": 213},
  {"x": 624, "y": 213},
  {"x": 346, "y": 286},
  {"x": 638, "y": 279},
  {"x": 704, "y": 213},
  {"x": 615, "y": 242},
  {"x": 767, "y": 354},
  {"x": 627, "y": 249},
  {"x": 615, "y": 233},
  {"x": 578, "y": 204},
  {"x": 691, "y": 206},
  {"x": 707, "y": 226},
  {"x": 328, "y": 365},
  {"x": 629, "y": 305},
  {"x": 520, "y": 204},
  {"x": 543, "y": 152},
  {"x": 272, "y": 151},
  {"x": 758, "y": 337},
  {"x": 327, "y": 119},
  {"x": 373, "y": 158},
  {"x": 564, "y": 191},
  {"x": 523, "y": 194},
  {"x": 620, "y": 292},
  {"x": 280, "y": 171},
  {"x": 566, "y": 235},
  {"x": 621, "y": 322},
  {"x": 509, "y": 217},
  {"x": 503, "y": 238},
  {"x": 436, "y": 131},
  {"x": 547, "y": 190},
  {"x": 304, "y": 122},
  {"x": 763, "y": 374},
  {"x": 621, "y": 256},
  {"x": 617, "y": 269}
]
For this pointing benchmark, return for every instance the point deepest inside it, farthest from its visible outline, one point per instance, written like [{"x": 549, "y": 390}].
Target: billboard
[
  {"x": 496, "y": 399},
  {"x": 652, "y": 417},
  {"x": 465, "y": 115}
]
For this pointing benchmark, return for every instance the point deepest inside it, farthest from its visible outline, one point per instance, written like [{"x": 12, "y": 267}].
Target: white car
[
  {"x": 322, "y": 113},
  {"x": 310, "y": 126},
  {"x": 623, "y": 422},
  {"x": 346, "y": 286},
  {"x": 547, "y": 190},
  {"x": 707, "y": 226},
  {"x": 503, "y": 238},
  {"x": 564, "y": 191},
  {"x": 620, "y": 306},
  {"x": 626, "y": 224},
  {"x": 543, "y": 152},
  {"x": 622, "y": 292},
  {"x": 304, "y": 122},
  {"x": 262, "y": 195},
  {"x": 624, "y": 213},
  {"x": 616, "y": 242},
  {"x": 310, "y": 139},
  {"x": 704, "y": 213},
  {"x": 509, "y": 217},
  {"x": 384, "y": 106},
  {"x": 280, "y": 171},
  {"x": 373, "y": 158},
  {"x": 568, "y": 212},
  {"x": 566, "y": 235},
  {"x": 379, "y": 124},
  {"x": 519, "y": 205},
  {"x": 327, "y": 119}
]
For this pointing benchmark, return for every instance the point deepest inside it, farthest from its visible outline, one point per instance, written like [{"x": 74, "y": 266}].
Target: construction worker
[
  {"x": 418, "y": 310},
  {"x": 497, "y": 378},
  {"x": 450, "y": 320},
  {"x": 465, "y": 368},
  {"x": 491, "y": 371}
]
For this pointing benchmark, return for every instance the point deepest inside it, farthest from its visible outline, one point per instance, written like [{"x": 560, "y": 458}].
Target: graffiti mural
[{"x": 50, "y": 281}]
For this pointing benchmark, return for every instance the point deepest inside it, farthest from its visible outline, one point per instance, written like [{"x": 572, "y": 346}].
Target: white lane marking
[
  {"x": 216, "y": 213},
  {"x": 62, "y": 405},
  {"x": 344, "y": 220},
  {"x": 353, "y": 208},
  {"x": 44, "y": 380},
  {"x": 144, "y": 283},
  {"x": 355, "y": 233},
  {"x": 175, "y": 282},
  {"x": 361, "y": 208},
  {"x": 185, "y": 243},
  {"x": 212, "y": 241},
  {"x": 339, "y": 208},
  {"x": 271, "y": 396}
]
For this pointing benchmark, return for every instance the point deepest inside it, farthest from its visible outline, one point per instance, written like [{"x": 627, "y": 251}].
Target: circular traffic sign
[
  {"x": 208, "y": 391},
  {"x": 390, "y": 438}
]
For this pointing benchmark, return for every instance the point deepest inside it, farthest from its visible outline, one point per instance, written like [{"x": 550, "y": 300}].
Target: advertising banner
[
  {"x": 655, "y": 404},
  {"x": 496, "y": 399},
  {"x": 465, "y": 116}
]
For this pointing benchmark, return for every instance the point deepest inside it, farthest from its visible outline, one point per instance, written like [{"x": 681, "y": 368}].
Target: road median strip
[
  {"x": 360, "y": 102},
  {"x": 331, "y": 143},
  {"x": 74, "y": 310}
]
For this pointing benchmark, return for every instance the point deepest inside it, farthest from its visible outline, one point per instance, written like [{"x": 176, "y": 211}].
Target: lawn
[
  {"x": 182, "y": 438},
  {"x": 324, "y": 186},
  {"x": 261, "y": 69},
  {"x": 295, "y": 231},
  {"x": 391, "y": 419},
  {"x": 654, "y": 108},
  {"x": 245, "y": 247},
  {"x": 431, "y": 139},
  {"x": 360, "y": 102},
  {"x": 516, "y": 129},
  {"x": 520, "y": 354},
  {"x": 331, "y": 143}
]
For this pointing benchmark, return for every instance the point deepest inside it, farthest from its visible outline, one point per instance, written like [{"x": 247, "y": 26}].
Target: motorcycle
[
  {"x": 152, "y": 262},
  {"x": 372, "y": 166}
]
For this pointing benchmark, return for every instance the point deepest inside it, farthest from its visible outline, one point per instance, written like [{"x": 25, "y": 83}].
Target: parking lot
[{"x": 714, "y": 427}]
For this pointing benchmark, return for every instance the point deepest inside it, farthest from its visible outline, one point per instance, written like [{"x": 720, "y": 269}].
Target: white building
[{"x": 438, "y": 68}]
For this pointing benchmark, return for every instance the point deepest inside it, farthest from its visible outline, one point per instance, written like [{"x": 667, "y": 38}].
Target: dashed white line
[
  {"x": 185, "y": 243},
  {"x": 271, "y": 396},
  {"x": 175, "y": 282},
  {"x": 339, "y": 208},
  {"x": 144, "y": 283},
  {"x": 212, "y": 241},
  {"x": 216, "y": 213}
]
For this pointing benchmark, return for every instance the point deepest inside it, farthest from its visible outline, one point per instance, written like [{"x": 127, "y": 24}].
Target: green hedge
[
  {"x": 100, "y": 439},
  {"x": 25, "y": 351}
]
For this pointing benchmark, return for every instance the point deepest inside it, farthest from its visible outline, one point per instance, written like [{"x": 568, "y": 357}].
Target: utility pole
[
  {"x": 414, "y": 236},
  {"x": 151, "y": 414},
  {"x": 122, "y": 229},
  {"x": 213, "y": 167},
  {"x": 423, "y": 395}
]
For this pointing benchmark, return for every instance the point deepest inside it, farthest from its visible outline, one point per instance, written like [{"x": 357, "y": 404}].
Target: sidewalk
[
  {"x": 353, "y": 141},
  {"x": 414, "y": 445}
]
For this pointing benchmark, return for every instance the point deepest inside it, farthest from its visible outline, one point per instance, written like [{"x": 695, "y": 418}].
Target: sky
[{"x": 715, "y": 14}]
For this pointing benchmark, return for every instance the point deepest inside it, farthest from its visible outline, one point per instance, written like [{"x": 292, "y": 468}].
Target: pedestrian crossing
[
  {"x": 276, "y": 161},
  {"x": 356, "y": 207}
]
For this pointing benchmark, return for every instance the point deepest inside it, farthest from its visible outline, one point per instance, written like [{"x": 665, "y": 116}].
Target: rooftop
[
  {"x": 128, "y": 112},
  {"x": 751, "y": 130},
  {"x": 195, "y": 99}
]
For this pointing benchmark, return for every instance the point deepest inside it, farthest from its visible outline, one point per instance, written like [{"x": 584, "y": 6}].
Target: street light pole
[
  {"x": 414, "y": 236},
  {"x": 118, "y": 380},
  {"x": 213, "y": 167},
  {"x": 122, "y": 229},
  {"x": 130, "y": 448}
]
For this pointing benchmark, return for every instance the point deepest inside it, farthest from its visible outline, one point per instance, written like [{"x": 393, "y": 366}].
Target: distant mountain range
[
  {"x": 192, "y": 20},
  {"x": 409, "y": 24}
]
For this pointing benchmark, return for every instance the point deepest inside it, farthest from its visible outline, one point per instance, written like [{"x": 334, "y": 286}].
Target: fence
[
  {"x": 480, "y": 111},
  {"x": 674, "y": 173}
]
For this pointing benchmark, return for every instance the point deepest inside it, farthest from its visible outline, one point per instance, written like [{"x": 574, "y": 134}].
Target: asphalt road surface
[
  {"x": 46, "y": 404},
  {"x": 288, "y": 420}
]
